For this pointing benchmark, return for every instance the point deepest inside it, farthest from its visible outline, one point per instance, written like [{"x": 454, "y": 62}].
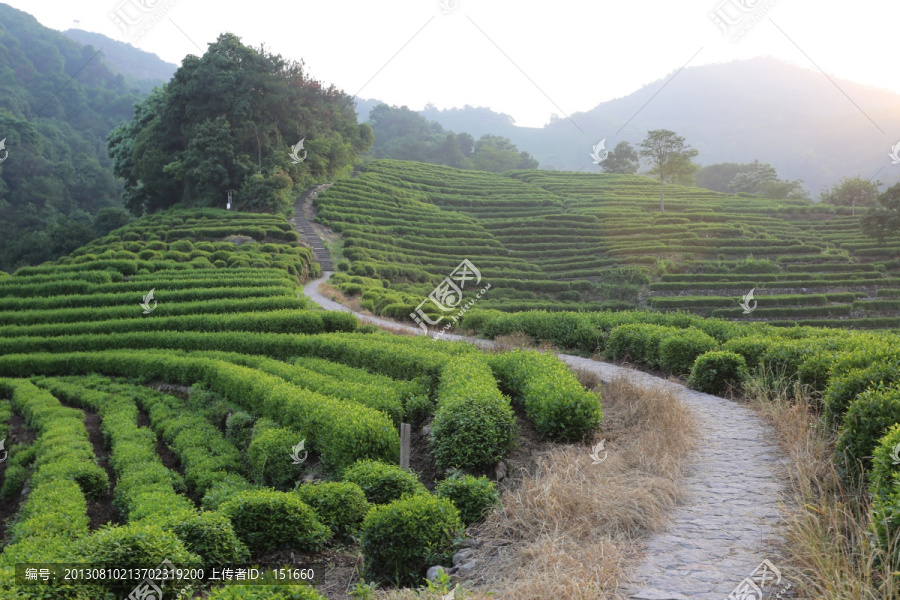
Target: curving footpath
[{"x": 730, "y": 517}]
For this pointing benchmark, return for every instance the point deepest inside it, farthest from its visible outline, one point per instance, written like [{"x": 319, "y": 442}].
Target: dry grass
[
  {"x": 825, "y": 541},
  {"x": 332, "y": 293},
  {"x": 569, "y": 528}
]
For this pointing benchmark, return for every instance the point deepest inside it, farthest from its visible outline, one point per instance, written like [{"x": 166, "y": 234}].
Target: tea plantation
[
  {"x": 183, "y": 424},
  {"x": 577, "y": 241}
]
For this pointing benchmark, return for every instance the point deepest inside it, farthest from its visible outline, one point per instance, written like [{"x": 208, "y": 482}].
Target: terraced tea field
[
  {"x": 164, "y": 390},
  {"x": 578, "y": 241}
]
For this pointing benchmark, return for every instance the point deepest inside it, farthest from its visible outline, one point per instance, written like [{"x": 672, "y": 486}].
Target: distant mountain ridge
[
  {"x": 760, "y": 108},
  {"x": 135, "y": 64}
]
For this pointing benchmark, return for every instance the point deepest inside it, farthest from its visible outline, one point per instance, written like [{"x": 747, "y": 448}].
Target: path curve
[{"x": 730, "y": 517}]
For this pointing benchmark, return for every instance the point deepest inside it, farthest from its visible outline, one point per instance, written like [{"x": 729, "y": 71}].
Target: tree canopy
[
  {"x": 669, "y": 159},
  {"x": 622, "y": 159},
  {"x": 884, "y": 221},
  {"x": 404, "y": 134},
  {"x": 852, "y": 191},
  {"x": 229, "y": 120},
  {"x": 60, "y": 100}
]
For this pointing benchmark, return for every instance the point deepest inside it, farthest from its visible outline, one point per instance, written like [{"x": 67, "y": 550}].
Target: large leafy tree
[
  {"x": 622, "y": 159},
  {"x": 884, "y": 221},
  {"x": 229, "y": 116},
  {"x": 669, "y": 159},
  {"x": 852, "y": 191}
]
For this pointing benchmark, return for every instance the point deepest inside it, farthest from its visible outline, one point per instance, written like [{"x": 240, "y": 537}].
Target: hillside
[
  {"x": 60, "y": 102},
  {"x": 169, "y": 382},
  {"x": 145, "y": 69},
  {"x": 739, "y": 111},
  {"x": 575, "y": 241}
]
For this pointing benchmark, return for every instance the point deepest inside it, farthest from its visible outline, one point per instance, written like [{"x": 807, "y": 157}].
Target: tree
[
  {"x": 622, "y": 159},
  {"x": 884, "y": 221},
  {"x": 669, "y": 159},
  {"x": 751, "y": 181},
  {"x": 852, "y": 192},
  {"x": 497, "y": 154},
  {"x": 234, "y": 112},
  {"x": 109, "y": 219}
]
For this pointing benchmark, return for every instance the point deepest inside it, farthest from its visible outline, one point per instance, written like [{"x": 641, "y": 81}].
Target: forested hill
[
  {"x": 60, "y": 101},
  {"x": 145, "y": 69}
]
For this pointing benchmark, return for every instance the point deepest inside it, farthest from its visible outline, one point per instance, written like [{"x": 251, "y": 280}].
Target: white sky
[{"x": 577, "y": 53}]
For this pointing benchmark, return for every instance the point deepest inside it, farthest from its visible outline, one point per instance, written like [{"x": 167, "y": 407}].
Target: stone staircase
[{"x": 305, "y": 228}]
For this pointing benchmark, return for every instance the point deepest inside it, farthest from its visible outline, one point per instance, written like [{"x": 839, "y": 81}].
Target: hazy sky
[{"x": 528, "y": 59}]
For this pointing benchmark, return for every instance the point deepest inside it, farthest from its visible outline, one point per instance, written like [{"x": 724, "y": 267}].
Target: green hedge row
[
  {"x": 283, "y": 321},
  {"x": 207, "y": 457},
  {"x": 554, "y": 400},
  {"x": 167, "y": 309},
  {"x": 340, "y": 431},
  {"x": 474, "y": 425},
  {"x": 145, "y": 488},
  {"x": 386, "y": 400},
  {"x": 135, "y": 298}
]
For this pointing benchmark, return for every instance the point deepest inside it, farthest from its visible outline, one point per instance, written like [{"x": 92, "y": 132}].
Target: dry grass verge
[
  {"x": 826, "y": 547},
  {"x": 568, "y": 528}
]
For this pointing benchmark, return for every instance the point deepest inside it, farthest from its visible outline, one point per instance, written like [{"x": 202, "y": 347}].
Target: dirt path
[{"x": 730, "y": 519}]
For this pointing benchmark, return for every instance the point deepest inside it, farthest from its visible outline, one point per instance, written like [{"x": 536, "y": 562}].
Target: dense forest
[{"x": 60, "y": 100}]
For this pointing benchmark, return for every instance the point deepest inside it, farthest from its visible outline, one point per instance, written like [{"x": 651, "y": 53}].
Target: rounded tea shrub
[
  {"x": 269, "y": 455},
  {"x": 470, "y": 495},
  {"x": 867, "y": 420},
  {"x": 267, "y": 520},
  {"x": 381, "y": 482},
  {"x": 677, "y": 353},
  {"x": 885, "y": 525},
  {"x": 340, "y": 505},
  {"x": 227, "y": 486},
  {"x": 402, "y": 539},
  {"x": 210, "y": 536},
  {"x": 135, "y": 546},
  {"x": 716, "y": 372},
  {"x": 239, "y": 429},
  {"x": 843, "y": 389},
  {"x": 472, "y": 435}
]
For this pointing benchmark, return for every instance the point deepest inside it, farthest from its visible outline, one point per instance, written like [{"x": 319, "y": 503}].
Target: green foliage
[
  {"x": 223, "y": 489},
  {"x": 136, "y": 546},
  {"x": 554, "y": 400},
  {"x": 866, "y": 421},
  {"x": 677, "y": 353},
  {"x": 383, "y": 483},
  {"x": 474, "y": 424},
  {"x": 717, "y": 372},
  {"x": 402, "y": 539},
  {"x": 269, "y": 455},
  {"x": 884, "y": 221},
  {"x": 262, "y": 105},
  {"x": 843, "y": 389},
  {"x": 640, "y": 342},
  {"x": 471, "y": 496},
  {"x": 239, "y": 429},
  {"x": 211, "y": 537},
  {"x": 340, "y": 505},
  {"x": 267, "y": 520}
]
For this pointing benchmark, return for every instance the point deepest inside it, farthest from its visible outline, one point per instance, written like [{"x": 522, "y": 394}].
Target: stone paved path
[
  {"x": 730, "y": 517},
  {"x": 305, "y": 228}
]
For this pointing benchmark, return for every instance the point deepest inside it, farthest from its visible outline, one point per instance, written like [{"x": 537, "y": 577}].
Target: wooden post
[{"x": 404, "y": 445}]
